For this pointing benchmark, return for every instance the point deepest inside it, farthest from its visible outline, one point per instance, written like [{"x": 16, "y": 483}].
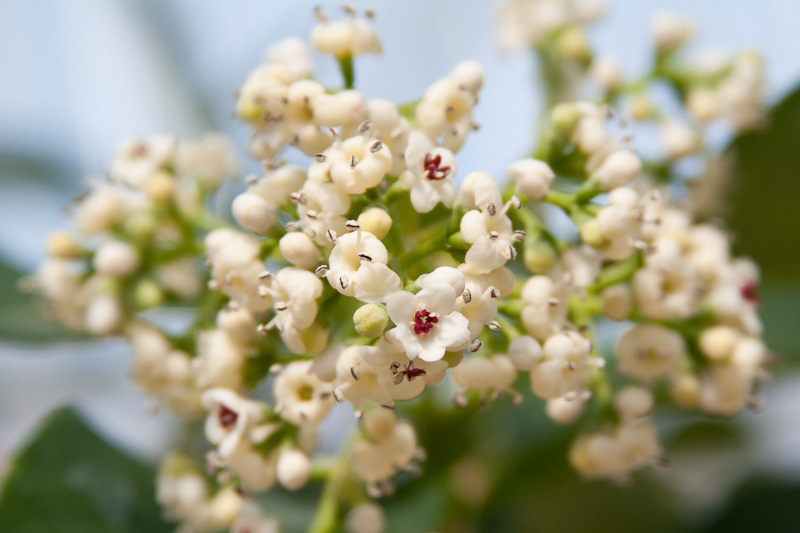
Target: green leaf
[
  {"x": 69, "y": 480},
  {"x": 765, "y": 191},
  {"x": 21, "y": 319}
]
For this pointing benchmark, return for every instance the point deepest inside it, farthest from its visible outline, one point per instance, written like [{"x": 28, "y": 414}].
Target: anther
[
  {"x": 320, "y": 158},
  {"x": 352, "y": 225},
  {"x": 467, "y": 296},
  {"x": 353, "y": 161},
  {"x": 331, "y": 236},
  {"x": 494, "y": 325},
  {"x": 265, "y": 275},
  {"x": 321, "y": 271},
  {"x": 475, "y": 345},
  {"x": 519, "y": 235},
  {"x": 344, "y": 282},
  {"x": 355, "y": 373},
  {"x": 364, "y": 126},
  {"x": 281, "y": 306},
  {"x": 375, "y": 147},
  {"x": 492, "y": 210},
  {"x": 365, "y": 257}
]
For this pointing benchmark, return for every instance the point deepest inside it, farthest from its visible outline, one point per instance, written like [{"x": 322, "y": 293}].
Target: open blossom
[
  {"x": 358, "y": 268},
  {"x": 292, "y": 293},
  {"x": 136, "y": 160},
  {"x": 321, "y": 207},
  {"x": 427, "y": 325},
  {"x": 615, "y": 454},
  {"x": 355, "y": 165},
  {"x": 649, "y": 352},
  {"x": 390, "y": 447},
  {"x": 231, "y": 418},
  {"x": 545, "y": 312},
  {"x": 301, "y": 398},
  {"x": 445, "y": 110},
  {"x": 255, "y": 209},
  {"x": 563, "y": 367},
  {"x": 491, "y": 235},
  {"x": 481, "y": 293},
  {"x": 430, "y": 173},
  {"x": 350, "y": 37}
]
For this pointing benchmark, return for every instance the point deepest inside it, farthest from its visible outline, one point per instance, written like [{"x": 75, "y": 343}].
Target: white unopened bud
[
  {"x": 633, "y": 402},
  {"x": 239, "y": 324},
  {"x": 62, "y": 245},
  {"x": 365, "y": 518},
  {"x": 686, "y": 390},
  {"x": 703, "y": 104},
  {"x": 468, "y": 75},
  {"x": 617, "y": 301},
  {"x": 116, "y": 259},
  {"x": 104, "y": 315},
  {"x": 606, "y": 71},
  {"x": 300, "y": 250},
  {"x": 376, "y": 221},
  {"x": 370, "y": 320},
  {"x": 253, "y": 212},
  {"x": 293, "y": 469},
  {"x": 618, "y": 169},
  {"x": 564, "y": 410},
  {"x": 718, "y": 343},
  {"x": 678, "y": 139},
  {"x": 670, "y": 31},
  {"x": 525, "y": 353},
  {"x": 379, "y": 424},
  {"x": 532, "y": 177}
]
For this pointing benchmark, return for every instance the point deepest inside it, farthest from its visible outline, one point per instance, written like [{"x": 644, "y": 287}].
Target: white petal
[
  {"x": 452, "y": 330},
  {"x": 401, "y": 307},
  {"x": 473, "y": 226},
  {"x": 439, "y": 298},
  {"x": 375, "y": 282},
  {"x": 424, "y": 197}
]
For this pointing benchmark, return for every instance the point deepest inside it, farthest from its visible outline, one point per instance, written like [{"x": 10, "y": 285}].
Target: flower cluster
[{"x": 369, "y": 274}]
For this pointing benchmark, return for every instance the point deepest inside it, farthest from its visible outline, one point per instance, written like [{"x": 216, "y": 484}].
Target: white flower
[
  {"x": 321, "y": 207},
  {"x": 104, "y": 315},
  {"x": 236, "y": 267},
  {"x": 478, "y": 190},
  {"x": 678, "y": 139},
  {"x": 546, "y": 311},
  {"x": 633, "y": 402},
  {"x": 292, "y": 53},
  {"x": 532, "y": 177},
  {"x": 292, "y": 293},
  {"x": 365, "y": 518},
  {"x": 250, "y": 519},
  {"x": 430, "y": 173},
  {"x": 386, "y": 125},
  {"x": 293, "y": 468},
  {"x": 357, "y": 380},
  {"x": 525, "y": 353},
  {"x": 491, "y": 235},
  {"x": 300, "y": 397},
  {"x": 562, "y": 369},
  {"x": 105, "y": 206},
  {"x": 446, "y": 111},
  {"x": 649, "y": 352},
  {"x": 495, "y": 373},
  {"x": 358, "y": 268},
  {"x": 724, "y": 389},
  {"x": 355, "y": 165},
  {"x": 615, "y": 455},
  {"x": 606, "y": 72},
  {"x": 299, "y": 249},
  {"x": 618, "y": 169},
  {"x": 136, "y": 160},
  {"x": 481, "y": 293},
  {"x": 351, "y": 37},
  {"x": 427, "y": 324},
  {"x": 231, "y": 419},
  {"x": 208, "y": 160},
  {"x": 116, "y": 259},
  {"x": 391, "y": 448},
  {"x": 219, "y": 360},
  {"x": 346, "y": 109},
  {"x": 670, "y": 31}
]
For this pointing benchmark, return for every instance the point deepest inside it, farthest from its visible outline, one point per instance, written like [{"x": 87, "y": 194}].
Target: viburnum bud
[
  {"x": 293, "y": 468},
  {"x": 539, "y": 254},
  {"x": 300, "y": 250},
  {"x": 617, "y": 301},
  {"x": 469, "y": 75},
  {"x": 633, "y": 402},
  {"x": 618, "y": 169},
  {"x": 525, "y": 353},
  {"x": 670, "y": 31},
  {"x": 104, "y": 315},
  {"x": 365, "y": 518},
  {"x": 147, "y": 294},
  {"x": 590, "y": 234},
  {"x": 379, "y": 424},
  {"x": 253, "y": 212},
  {"x": 606, "y": 72},
  {"x": 371, "y": 320},
  {"x": 62, "y": 245},
  {"x": 376, "y": 221},
  {"x": 564, "y": 410},
  {"x": 718, "y": 343},
  {"x": 532, "y": 177},
  {"x": 563, "y": 120},
  {"x": 160, "y": 187},
  {"x": 686, "y": 390},
  {"x": 116, "y": 259},
  {"x": 572, "y": 44}
]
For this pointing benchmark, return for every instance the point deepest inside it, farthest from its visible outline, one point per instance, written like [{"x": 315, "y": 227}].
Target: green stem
[
  {"x": 340, "y": 487},
  {"x": 616, "y": 273},
  {"x": 562, "y": 199},
  {"x": 419, "y": 253},
  {"x": 346, "y": 66}
]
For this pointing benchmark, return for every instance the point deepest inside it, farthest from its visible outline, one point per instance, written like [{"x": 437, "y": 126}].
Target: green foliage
[{"x": 69, "y": 480}]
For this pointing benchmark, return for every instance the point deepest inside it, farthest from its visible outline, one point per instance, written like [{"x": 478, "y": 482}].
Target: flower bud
[
  {"x": 686, "y": 391},
  {"x": 641, "y": 107},
  {"x": 293, "y": 468},
  {"x": 617, "y": 301},
  {"x": 633, "y": 402},
  {"x": 253, "y": 212},
  {"x": 376, "y": 221},
  {"x": 703, "y": 104},
  {"x": 606, "y": 72},
  {"x": 564, "y": 411},
  {"x": 718, "y": 343},
  {"x": 116, "y": 259},
  {"x": 160, "y": 187},
  {"x": 525, "y": 353},
  {"x": 532, "y": 177},
  {"x": 147, "y": 294},
  {"x": 563, "y": 120},
  {"x": 590, "y": 234},
  {"x": 62, "y": 245},
  {"x": 239, "y": 324},
  {"x": 678, "y": 139},
  {"x": 379, "y": 424},
  {"x": 539, "y": 255},
  {"x": 618, "y": 169},
  {"x": 572, "y": 44},
  {"x": 370, "y": 320},
  {"x": 299, "y": 249},
  {"x": 670, "y": 31},
  {"x": 365, "y": 518},
  {"x": 469, "y": 75},
  {"x": 104, "y": 315}
]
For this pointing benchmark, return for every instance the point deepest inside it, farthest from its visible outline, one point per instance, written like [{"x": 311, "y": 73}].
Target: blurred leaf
[
  {"x": 41, "y": 167},
  {"x": 765, "y": 194},
  {"x": 69, "y": 480},
  {"x": 761, "y": 505},
  {"x": 779, "y": 308},
  {"x": 21, "y": 319}
]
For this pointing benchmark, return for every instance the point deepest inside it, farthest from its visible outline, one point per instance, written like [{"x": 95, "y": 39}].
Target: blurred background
[{"x": 79, "y": 76}]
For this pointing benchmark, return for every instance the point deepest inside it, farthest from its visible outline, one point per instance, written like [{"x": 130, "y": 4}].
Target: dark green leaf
[{"x": 69, "y": 480}]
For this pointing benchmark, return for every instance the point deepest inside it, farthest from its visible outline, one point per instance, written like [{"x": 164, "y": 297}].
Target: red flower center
[
  {"x": 433, "y": 168},
  {"x": 749, "y": 292},
  {"x": 424, "y": 321},
  {"x": 227, "y": 417}
]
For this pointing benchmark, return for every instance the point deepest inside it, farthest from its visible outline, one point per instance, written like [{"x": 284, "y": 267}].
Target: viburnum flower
[
  {"x": 301, "y": 398},
  {"x": 351, "y": 37},
  {"x": 358, "y": 268},
  {"x": 136, "y": 160},
  {"x": 321, "y": 208},
  {"x": 231, "y": 418},
  {"x": 427, "y": 325},
  {"x": 649, "y": 352},
  {"x": 292, "y": 293},
  {"x": 445, "y": 111},
  {"x": 492, "y": 237},
  {"x": 355, "y": 165},
  {"x": 430, "y": 173},
  {"x": 391, "y": 446}
]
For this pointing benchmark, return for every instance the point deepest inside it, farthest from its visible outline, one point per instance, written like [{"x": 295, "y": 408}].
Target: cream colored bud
[
  {"x": 590, "y": 234},
  {"x": 468, "y": 75},
  {"x": 239, "y": 324},
  {"x": 160, "y": 187},
  {"x": 293, "y": 468},
  {"x": 564, "y": 118},
  {"x": 62, "y": 245},
  {"x": 719, "y": 342},
  {"x": 253, "y": 212},
  {"x": 525, "y": 353},
  {"x": 379, "y": 424},
  {"x": 686, "y": 391},
  {"x": 532, "y": 177},
  {"x": 300, "y": 250},
  {"x": 148, "y": 294},
  {"x": 371, "y": 320},
  {"x": 617, "y": 301},
  {"x": 104, "y": 315},
  {"x": 365, "y": 518},
  {"x": 376, "y": 221},
  {"x": 703, "y": 104},
  {"x": 607, "y": 72},
  {"x": 116, "y": 259},
  {"x": 633, "y": 402},
  {"x": 618, "y": 169},
  {"x": 670, "y": 31},
  {"x": 641, "y": 108},
  {"x": 539, "y": 255},
  {"x": 573, "y": 45},
  {"x": 564, "y": 411}
]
